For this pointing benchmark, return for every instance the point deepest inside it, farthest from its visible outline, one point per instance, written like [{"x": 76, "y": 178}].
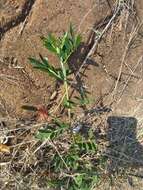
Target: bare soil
[
  {"x": 26, "y": 86},
  {"x": 113, "y": 77}
]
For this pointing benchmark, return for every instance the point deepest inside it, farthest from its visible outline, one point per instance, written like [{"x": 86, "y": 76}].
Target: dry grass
[{"x": 27, "y": 165}]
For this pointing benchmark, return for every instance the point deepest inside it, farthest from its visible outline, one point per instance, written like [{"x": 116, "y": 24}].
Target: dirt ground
[
  {"x": 26, "y": 86},
  {"x": 114, "y": 75}
]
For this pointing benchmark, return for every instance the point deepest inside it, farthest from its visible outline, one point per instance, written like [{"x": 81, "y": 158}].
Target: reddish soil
[
  {"x": 27, "y": 86},
  {"x": 23, "y": 22}
]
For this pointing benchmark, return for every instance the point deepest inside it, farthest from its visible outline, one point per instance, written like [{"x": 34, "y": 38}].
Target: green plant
[
  {"x": 74, "y": 167},
  {"x": 62, "y": 47},
  {"x": 78, "y": 171},
  {"x": 72, "y": 157},
  {"x": 52, "y": 131}
]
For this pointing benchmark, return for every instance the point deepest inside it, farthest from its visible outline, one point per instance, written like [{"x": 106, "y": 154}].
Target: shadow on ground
[{"x": 124, "y": 150}]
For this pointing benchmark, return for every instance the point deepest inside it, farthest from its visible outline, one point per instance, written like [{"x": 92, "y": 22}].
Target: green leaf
[
  {"x": 68, "y": 103},
  {"x": 51, "y": 132},
  {"x": 49, "y": 46},
  {"x": 51, "y": 43},
  {"x": 60, "y": 124},
  {"x": 60, "y": 74},
  {"x": 54, "y": 73},
  {"x": 77, "y": 41},
  {"x": 68, "y": 72},
  {"x": 45, "y": 61},
  {"x": 34, "y": 62},
  {"x": 78, "y": 179},
  {"x": 37, "y": 64},
  {"x": 43, "y": 135},
  {"x": 71, "y": 31},
  {"x": 64, "y": 39},
  {"x": 46, "y": 67}
]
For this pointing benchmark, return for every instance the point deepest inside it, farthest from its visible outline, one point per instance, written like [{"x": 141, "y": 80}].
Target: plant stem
[
  {"x": 65, "y": 85},
  {"x": 66, "y": 90},
  {"x": 65, "y": 79}
]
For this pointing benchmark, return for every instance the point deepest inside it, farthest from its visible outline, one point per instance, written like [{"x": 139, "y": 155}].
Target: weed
[
  {"x": 62, "y": 47},
  {"x": 73, "y": 163}
]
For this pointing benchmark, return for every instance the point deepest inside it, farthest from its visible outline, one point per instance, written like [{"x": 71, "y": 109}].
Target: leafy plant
[
  {"x": 62, "y": 47},
  {"x": 72, "y": 157},
  {"x": 75, "y": 167},
  {"x": 77, "y": 171},
  {"x": 52, "y": 131}
]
